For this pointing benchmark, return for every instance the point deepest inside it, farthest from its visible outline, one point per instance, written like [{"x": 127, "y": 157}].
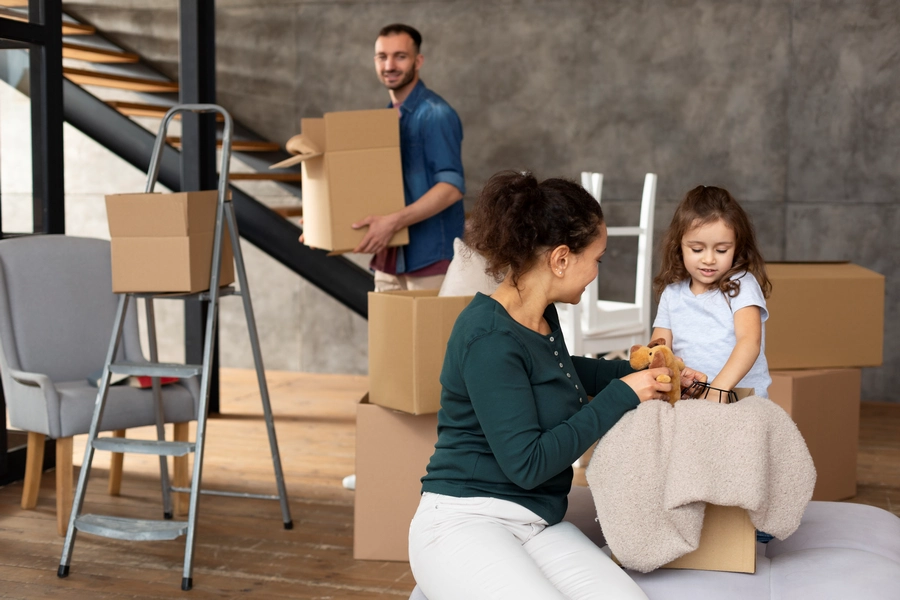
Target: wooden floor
[{"x": 242, "y": 549}]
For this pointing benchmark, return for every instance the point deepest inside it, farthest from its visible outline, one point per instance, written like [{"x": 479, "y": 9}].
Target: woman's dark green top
[{"x": 515, "y": 410}]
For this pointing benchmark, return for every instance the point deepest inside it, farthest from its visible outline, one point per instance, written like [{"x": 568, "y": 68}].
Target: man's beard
[{"x": 408, "y": 76}]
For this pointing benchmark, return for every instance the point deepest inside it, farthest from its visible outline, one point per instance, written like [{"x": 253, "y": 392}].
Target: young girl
[{"x": 714, "y": 288}]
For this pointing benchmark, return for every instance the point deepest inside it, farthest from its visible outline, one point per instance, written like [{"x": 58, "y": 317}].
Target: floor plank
[{"x": 242, "y": 549}]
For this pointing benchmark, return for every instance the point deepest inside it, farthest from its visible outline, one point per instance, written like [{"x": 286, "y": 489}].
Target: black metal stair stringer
[{"x": 337, "y": 276}]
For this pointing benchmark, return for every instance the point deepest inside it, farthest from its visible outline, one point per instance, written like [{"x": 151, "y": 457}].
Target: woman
[{"x": 517, "y": 410}]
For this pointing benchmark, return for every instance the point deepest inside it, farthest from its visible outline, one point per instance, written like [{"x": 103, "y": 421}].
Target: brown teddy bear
[{"x": 657, "y": 354}]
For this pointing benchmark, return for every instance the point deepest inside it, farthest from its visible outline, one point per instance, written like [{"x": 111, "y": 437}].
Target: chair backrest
[
  {"x": 592, "y": 316},
  {"x": 644, "y": 277},
  {"x": 57, "y": 307}
]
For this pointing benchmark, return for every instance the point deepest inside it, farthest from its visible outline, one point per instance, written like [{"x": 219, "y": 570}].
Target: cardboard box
[
  {"x": 408, "y": 333},
  {"x": 350, "y": 169},
  {"x": 727, "y": 543},
  {"x": 392, "y": 453},
  {"x": 824, "y": 315},
  {"x": 825, "y": 406},
  {"x": 163, "y": 242}
]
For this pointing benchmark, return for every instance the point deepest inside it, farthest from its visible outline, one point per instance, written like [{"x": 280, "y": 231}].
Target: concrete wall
[{"x": 791, "y": 105}]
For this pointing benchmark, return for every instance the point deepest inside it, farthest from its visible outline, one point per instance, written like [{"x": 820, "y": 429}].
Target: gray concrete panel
[{"x": 844, "y": 114}]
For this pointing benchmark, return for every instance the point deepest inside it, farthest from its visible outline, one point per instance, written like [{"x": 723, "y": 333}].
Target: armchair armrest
[
  {"x": 30, "y": 379},
  {"x": 30, "y": 400}
]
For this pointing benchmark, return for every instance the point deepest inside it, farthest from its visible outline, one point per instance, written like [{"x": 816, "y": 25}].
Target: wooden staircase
[{"x": 140, "y": 84}]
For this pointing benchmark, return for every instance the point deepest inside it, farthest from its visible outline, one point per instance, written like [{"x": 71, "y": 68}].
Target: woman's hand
[{"x": 646, "y": 386}]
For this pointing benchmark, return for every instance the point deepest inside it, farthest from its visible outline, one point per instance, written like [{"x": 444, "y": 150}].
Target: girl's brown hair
[
  {"x": 701, "y": 206},
  {"x": 516, "y": 219}
]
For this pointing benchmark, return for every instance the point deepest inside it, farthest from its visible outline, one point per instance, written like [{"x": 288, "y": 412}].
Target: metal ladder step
[
  {"x": 155, "y": 369},
  {"x": 131, "y": 529},
  {"x": 156, "y": 447}
]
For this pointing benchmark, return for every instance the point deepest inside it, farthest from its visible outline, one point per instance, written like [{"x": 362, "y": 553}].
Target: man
[{"x": 433, "y": 181}]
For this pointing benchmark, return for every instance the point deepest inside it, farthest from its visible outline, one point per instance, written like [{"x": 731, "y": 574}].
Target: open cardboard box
[
  {"x": 824, "y": 404},
  {"x": 408, "y": 333},
  {"x": 350, "y": 165},
  {"x": 824, "y": 315},
  {"x": 164, "y": 242}
]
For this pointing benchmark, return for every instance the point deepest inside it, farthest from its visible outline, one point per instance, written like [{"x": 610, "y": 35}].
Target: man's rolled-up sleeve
[{"x": 443, "y": 147}]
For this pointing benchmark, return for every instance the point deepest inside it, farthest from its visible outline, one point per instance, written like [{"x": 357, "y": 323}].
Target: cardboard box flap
[
  {"x": 302, "y": 147},
  {"x": 160, "y": 215},
  {"x": 361, "y": 129}
]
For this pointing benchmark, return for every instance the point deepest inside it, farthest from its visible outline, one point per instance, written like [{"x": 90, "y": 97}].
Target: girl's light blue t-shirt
[{"x": 703, "y": 328}]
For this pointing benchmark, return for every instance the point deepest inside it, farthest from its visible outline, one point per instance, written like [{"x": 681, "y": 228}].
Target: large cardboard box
[
  {"x": 825, "y": 406},
  {"x": 163, "y": 242},
  {"x": 350, "y": 169},
  {"x": 727, "y": 543},
  {"x": 824, "y": 315},
  {"x": 392, "y": 453},
  {"x": 408, "y": 333}
]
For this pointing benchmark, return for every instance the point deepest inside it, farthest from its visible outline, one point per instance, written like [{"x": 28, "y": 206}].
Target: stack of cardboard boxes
[
  {"x": 396, "y": 422},
  {"x": 826, "y": 322}
]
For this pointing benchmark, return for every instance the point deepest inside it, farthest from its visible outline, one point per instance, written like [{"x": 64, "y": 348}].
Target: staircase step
[
  {"x": 155, "y": 447},
  {"x": 143, "y": 109},
  {"x": 288, "y": 211},
  {"x": 121, "y": 82},
  {"x": 97, "y": 55},
  {"x": 294, "y": 177},
  {"x": 131, "y": 529},
  {"x": 236, "y": 145},
  {"x": 155, "y": 369},
  {"x": 68, "y": 27}
]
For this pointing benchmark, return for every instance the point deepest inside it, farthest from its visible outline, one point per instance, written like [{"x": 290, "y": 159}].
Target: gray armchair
[{"x": 56, "y": 318}]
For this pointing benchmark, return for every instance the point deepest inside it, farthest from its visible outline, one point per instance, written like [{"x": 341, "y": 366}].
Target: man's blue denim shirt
[{"x": 430, "y": 148}]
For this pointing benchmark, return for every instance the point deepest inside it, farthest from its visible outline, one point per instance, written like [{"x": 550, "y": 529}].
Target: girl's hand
[
  {"x": 646, "y": 386},
  {"x": 689, "y": 376}
]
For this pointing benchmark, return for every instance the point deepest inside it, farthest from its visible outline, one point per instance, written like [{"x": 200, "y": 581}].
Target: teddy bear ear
[
  {"x": 657, "y": 342},
  {"x": 635, "y": 348}
]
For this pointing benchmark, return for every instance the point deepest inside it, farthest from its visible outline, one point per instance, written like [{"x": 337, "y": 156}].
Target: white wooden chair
[{"x": 597, "y": 326}]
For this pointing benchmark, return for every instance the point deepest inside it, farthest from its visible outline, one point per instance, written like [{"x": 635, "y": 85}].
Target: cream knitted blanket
[{"x": 653, "y": 473}]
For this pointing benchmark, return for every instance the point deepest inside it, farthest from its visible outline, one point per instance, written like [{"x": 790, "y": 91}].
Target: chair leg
[
  {"x": 181, "y": 473},
  {"x": 64, "y": 492},
  {"x": 115, "y": 467},
  {"x": 34, "y": 464}
]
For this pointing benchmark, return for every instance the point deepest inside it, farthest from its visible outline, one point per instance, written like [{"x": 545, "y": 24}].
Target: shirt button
[
  {"x": 568, "y": 374},
  {"x": 556, "y": 353},
  {"x": 581, "y": 400},
  {"x": 576, "y": 386},
  {"x": 551, "y": 338},
  {"x": 560, "y": 365}
]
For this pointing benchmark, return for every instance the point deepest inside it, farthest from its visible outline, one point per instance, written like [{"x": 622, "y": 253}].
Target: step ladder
[{"x": 168, "y": 528}]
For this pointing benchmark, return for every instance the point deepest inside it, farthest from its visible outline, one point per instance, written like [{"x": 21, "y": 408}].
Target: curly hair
[
  {"x": 516, "y": 219},
  {"x": 701, "y": 206}
]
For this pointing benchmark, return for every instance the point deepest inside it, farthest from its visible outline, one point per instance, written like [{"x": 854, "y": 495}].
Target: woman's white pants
[{"x": 473, "y": 548}]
